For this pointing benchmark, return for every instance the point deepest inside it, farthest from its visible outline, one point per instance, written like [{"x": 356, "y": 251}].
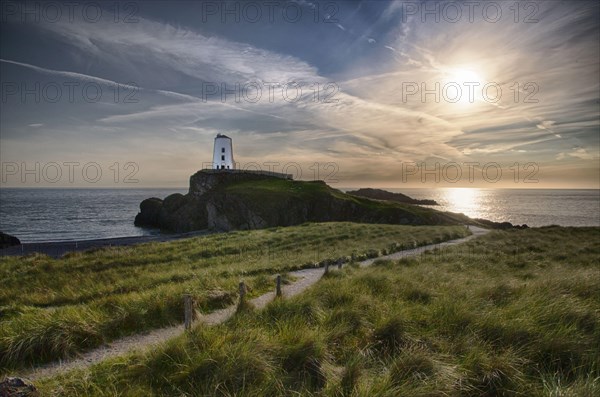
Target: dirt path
[{"x": 306, "y": 278}]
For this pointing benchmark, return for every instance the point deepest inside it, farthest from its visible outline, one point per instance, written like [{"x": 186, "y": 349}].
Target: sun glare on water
[{"x": 464, "y": 200}]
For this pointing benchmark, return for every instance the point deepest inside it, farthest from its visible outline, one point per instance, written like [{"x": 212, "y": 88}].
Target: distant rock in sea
[
  {"x": 499, "y": 225},
  {"x": 6, "y": 240},
  {"x": 379, "y": 194}
]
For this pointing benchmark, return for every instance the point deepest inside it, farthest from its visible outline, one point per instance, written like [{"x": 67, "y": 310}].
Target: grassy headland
[
  {"x": 228, "y": 201},
  {"x": 53, "y": 308},
  {"x": 513, "y": 313}
]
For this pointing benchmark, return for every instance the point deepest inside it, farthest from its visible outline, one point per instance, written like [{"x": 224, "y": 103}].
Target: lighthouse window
[
  {"x": 222, "y": 150},
  {"x": 223, "y": 158}
]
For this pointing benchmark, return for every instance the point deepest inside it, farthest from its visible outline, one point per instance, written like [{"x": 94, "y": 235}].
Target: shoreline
[{"x": 56, "y": 249}]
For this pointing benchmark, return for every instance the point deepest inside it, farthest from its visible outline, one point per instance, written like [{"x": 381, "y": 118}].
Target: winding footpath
[{"x": 306, "y": 278}]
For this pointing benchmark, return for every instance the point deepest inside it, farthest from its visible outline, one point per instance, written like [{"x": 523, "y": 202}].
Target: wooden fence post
[
  {"x": 278, "y": 286},
  {"x": 188, "y": 308},
  {"x": 339, "y": 263},
  {"x": 242, "y": 291}
]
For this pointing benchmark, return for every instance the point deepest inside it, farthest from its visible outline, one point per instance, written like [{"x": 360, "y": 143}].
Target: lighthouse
[{"x": 223, "y": 153}]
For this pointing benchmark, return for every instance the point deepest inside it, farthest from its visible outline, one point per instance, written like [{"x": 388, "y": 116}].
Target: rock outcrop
[
  {"x": 226, "y": 201},
  {"x": 17, "y": 387},
  {"x": 149, "y": 212},
  {"x": 6, "y": 240},
  {"x": 235, "y": 200},
  {"x": 379, "y": 194},
  {"x": 499, "y": 225}
]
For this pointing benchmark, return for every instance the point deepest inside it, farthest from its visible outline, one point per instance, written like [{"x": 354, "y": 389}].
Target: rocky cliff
[
  {"x": 6, "y": 240},
  {"x": 231, "y": 201}
]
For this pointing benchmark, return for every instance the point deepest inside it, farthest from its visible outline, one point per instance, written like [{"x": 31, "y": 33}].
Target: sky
[{"x": 357, "y": 93}]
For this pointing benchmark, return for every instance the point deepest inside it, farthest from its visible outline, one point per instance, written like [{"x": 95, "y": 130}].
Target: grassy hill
[
  {"x": 513, "y": 313},
  {"x": 275, "y": 194},
  {"x": 55, "y": 308},
  {"x": 240, "y": 201}
]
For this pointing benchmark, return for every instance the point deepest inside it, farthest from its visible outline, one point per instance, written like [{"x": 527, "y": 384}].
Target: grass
[
  {"x": 514, "y": 313},
  {"x": 55, "y": 308},
  {"x": 280, "y": 193}
]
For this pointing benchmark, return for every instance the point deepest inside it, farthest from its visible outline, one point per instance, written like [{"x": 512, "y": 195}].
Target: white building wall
[{"x": 223, "y": 153}]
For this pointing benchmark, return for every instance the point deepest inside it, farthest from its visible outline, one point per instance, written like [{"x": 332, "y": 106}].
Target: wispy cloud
[
  {"x": 380, "y": 126},
  {"x": 372, "y": 124},
  {"x": 67, "y": 74},
  {"x": 579, "y": 153}
]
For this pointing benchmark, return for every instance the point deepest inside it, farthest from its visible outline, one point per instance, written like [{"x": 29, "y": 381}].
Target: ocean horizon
[{"x": 70, "y": 214}]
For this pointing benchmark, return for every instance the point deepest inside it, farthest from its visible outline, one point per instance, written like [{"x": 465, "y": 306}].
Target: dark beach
[{"x": 57, "y": 249}]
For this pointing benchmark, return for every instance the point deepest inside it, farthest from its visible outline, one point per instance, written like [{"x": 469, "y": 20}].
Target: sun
[
  {"x": 462, "y": 76},
  {"x": 462, "y": 85}
]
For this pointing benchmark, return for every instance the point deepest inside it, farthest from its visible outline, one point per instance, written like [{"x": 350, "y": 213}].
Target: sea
[{"x": 37, "y": 215}]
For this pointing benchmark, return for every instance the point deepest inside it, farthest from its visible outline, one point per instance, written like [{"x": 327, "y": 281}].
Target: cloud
[
  {"x": 207, "y": 58},
  {"x": 548, "y": 126},
  {"x": 545, "y": 125},
  {"x": 66, "y": 74},
  {"x": 383, "y": 128},
  {"x": 582, "y": 154},
  {"x": 305, "y": 3},
  {"x": 370, "y": 125}
]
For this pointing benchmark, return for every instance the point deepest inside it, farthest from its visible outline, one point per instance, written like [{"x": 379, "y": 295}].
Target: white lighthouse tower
[{"x": 223, "y": 153}]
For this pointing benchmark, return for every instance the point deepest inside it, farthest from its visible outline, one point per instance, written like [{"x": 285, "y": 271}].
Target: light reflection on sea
[
  {"x": 78, "y": 214},
  {"x": 534, "y": 207}
]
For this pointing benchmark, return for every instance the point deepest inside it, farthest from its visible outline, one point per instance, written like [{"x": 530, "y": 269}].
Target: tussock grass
[
  {"x": 483, "y": 330},
  {"x": 55, "y": 308}
]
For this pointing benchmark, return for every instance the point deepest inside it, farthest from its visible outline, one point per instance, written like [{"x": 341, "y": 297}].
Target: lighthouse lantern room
[{"x": 223, "y": 153}]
